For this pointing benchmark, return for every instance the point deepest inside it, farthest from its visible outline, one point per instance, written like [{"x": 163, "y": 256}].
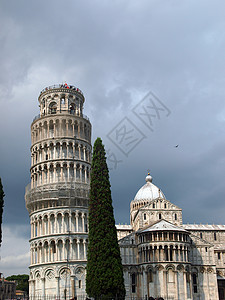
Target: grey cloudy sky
[{"x": 116, "y": 52}]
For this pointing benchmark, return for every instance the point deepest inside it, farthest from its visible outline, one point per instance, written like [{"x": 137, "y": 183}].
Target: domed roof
[{"x": 149, "y": 191}]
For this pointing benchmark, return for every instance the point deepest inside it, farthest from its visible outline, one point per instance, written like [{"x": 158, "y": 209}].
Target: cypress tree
[
  {"x": 104, "y": 267},
  {"x": 1, "y": 208}
]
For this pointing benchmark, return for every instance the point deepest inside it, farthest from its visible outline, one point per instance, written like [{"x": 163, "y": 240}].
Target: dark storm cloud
[{"x": 116, "y": 52}]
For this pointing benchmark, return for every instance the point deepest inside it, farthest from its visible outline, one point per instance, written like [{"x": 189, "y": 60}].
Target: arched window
[
  {"x": 175, "y": 217},
  {"x": 171, "y": 277},
  {"x": 53, "y": 247},
  {"x": 171, "y": 253},
  {"x": 52, "y": 108},
  {"x": 215, "y": 236},
  {"x": 153, "y": 205},
  {"x": 150, "y": 275},
  {"x": 144, "y": 216},
  {"x": 80, "y": 284},
  {"x": 200, "y": 235},
  {"x": 133, "y": 283},
  {"x": 72, "y": 108},
  {"x": 195, "y": 284},
  {"x": 165, "y": 205},
  {"x": 160, "y": 216},
  {"x": 166, "y": 254}
]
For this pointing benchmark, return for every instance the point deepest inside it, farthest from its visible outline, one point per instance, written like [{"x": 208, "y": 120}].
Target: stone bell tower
[{"x": 57, "y": 197}]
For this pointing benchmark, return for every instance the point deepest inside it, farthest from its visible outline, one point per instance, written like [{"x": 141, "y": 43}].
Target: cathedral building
[{"x": 161, "y": 256}]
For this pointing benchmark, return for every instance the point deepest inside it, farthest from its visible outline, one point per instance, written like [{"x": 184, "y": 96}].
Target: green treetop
[
  {"x": 21, "y": 282},
  {"x": 104, "y": 268}
]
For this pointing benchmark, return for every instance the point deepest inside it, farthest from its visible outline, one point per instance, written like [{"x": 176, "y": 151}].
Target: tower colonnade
[
  {"x": 56, "y": 250},
  {"x": 57, "y": 197},
  {"x": 58, "y": 222},
  {"x": 66, "y": 149},
  {"x": 53, "y": 172},
  {"x": 60, "y": 127}
]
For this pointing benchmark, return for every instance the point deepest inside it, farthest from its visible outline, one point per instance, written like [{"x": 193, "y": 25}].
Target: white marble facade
[
  {"x": 57, "y": 197},
  {"x": 162, "y": 257}
]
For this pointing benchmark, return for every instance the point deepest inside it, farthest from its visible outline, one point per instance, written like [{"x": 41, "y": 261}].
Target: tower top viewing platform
[
  {"x": 61, "y": 99},
  {"x": 61, "y": 86}
]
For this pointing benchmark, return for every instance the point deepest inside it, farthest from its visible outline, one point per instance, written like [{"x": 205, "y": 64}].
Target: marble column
[
  {"x": 85, "y": 174},
  {"x": 75, "y": 171},
  {"x": 85, "y": 251},
  {"x": 83, "y": 222},
  {"x": 84, "y": 153},
  {"x": 57, "y": 288},
  {"x": 79, "y": 152},
  {"x": 78, "y": 249}
]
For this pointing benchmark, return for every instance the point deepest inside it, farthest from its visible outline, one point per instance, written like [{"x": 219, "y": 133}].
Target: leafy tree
[
  {"x": 21, "y": 282},
  {"x": 1, "y": 208},
  {"x": 104, "y": 268}
]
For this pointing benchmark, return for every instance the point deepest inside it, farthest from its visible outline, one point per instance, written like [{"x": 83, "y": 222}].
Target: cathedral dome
[{"x": 149, "y": 191}]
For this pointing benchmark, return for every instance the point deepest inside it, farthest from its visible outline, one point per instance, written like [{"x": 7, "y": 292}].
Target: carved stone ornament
[{"x": 50, "y": 275}]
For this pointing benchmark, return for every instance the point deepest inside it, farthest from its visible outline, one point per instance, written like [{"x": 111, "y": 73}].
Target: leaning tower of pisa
[{"x": 57, "y": 197}]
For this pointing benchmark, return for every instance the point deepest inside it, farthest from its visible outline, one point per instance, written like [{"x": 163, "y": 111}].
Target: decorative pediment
[{"x": 162, "y": 225}]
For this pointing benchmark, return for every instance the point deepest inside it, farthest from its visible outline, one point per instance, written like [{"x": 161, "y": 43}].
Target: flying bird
[{"x": 176, "y": 146}]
